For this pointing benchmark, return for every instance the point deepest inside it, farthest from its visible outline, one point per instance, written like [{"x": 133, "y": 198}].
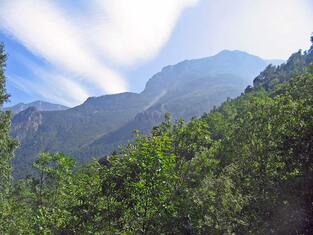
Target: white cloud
[
  {"x": 44, "y": 30},
  {"x": 39, "y": 89},
  {"x": 47, "y": 84},
  {"x": 136, "y": 30},
  {"x": 123, "y": 31},
  {"x": 72, "y": 92}
]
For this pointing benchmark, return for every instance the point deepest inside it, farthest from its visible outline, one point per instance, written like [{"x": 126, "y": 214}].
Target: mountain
[
  {"x": 39, "y": 105},
  {"x": 100, "y": 124}
]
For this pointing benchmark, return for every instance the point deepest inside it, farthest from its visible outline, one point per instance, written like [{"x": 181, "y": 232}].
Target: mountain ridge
[
  {"x": 38, "y": 104},
  {"x": 186, "y": 89}
]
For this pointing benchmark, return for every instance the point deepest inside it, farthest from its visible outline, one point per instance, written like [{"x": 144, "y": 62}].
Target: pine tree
[{"x": 7, "y": 146}]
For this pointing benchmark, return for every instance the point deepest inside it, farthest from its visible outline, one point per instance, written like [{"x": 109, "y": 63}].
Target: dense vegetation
[{"x": 244, "y": 168}]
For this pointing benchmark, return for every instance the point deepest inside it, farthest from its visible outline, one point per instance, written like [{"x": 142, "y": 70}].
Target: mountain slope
[
  {"x": 185, "y": 103},
  {"x": 97, "y": 126},
  {"x": 186, "y": 89},
  {"x": 39, "y": 105},
  {"x": 70, "y": 129}
]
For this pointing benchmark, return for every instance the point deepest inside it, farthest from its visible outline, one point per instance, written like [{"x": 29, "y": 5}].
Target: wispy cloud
[
  {"x": 136, "y": 30},
  {"x": 46, "y": 84},
  {"x": 47, "y": 32},
  {"x": 124, "y": 32}
]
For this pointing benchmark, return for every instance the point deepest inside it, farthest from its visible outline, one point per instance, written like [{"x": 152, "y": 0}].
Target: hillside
[{"x": 96, "y": 127}]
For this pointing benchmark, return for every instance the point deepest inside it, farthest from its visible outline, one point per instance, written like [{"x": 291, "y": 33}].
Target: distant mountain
[
  {"x": 39, "y": 105},
  {"x": 100, "y": 124}
]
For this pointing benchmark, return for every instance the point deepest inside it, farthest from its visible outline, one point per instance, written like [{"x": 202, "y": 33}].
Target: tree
[
  {"x": 7, "y": 146},
  {"x": 53, "y": 191},
  {"x": 150, "y": 183}
]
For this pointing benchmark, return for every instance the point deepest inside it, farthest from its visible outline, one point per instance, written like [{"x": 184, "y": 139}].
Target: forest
[{"x": 245, "y": 167}]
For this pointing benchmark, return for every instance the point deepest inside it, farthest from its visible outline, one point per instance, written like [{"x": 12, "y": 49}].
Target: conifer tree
[{"x": 7, "y": 145}]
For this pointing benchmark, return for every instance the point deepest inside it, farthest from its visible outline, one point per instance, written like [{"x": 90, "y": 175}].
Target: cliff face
[{"x": 26, "y": 123}]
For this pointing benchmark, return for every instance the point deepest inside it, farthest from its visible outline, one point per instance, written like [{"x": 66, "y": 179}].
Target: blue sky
[{"x": 63, "y": 51}]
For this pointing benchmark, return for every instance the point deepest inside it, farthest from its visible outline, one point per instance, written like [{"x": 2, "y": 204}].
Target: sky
[{"x": 64, "y": 51}]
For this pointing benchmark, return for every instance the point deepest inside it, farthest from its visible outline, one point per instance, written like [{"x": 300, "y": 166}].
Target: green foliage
[
  {"x": 53, "y": 191},
  {"x": 7, "y": 146}
]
